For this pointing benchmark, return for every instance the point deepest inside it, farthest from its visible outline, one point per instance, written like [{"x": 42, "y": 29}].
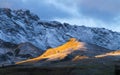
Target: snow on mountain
[{"x": 19, "y": 26}]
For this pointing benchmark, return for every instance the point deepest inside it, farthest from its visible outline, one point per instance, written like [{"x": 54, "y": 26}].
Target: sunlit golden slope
[
  {"x": 113, "y": 53},
  {"x": 58, "y": 53},
  {"x": 78, "y": 57}
]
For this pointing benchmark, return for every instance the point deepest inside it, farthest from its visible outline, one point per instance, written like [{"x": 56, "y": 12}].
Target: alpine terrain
[{"x": 37, "y": 47}]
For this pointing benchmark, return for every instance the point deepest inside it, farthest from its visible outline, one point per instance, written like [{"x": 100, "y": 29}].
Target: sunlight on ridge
[
  {"x": 59, "y": 52},
  {"x": 113, "y": 53}
]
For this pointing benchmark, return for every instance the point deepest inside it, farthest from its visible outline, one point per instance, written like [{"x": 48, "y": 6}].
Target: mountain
[
  {"x": 24, "y": 35},
  {"x": 54, "y": 48},
  {"x": 19, "y": 26}
]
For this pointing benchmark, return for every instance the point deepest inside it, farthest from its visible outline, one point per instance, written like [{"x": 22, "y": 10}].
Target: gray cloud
[
  {"x": 105, "y": 10},
  {"x": 96, "y": 13},
  {"x": 111, "y": 6},
  {"x": 39, "y": 7}
]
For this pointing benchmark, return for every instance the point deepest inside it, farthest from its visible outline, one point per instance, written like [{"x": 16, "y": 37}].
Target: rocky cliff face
[
  {"x": 10, "y": 53},
  {"x": 19, "y": 26}
]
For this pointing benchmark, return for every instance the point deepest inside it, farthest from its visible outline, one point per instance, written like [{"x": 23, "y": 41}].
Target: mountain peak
[{"x": 17, "y": 14}]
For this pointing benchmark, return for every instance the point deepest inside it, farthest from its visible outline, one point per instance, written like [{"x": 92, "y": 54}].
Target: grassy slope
[{"x": 93, "y": 66}]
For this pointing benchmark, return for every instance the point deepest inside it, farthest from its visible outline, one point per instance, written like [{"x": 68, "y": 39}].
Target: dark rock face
[
  {"x": 27, "y": 49},
  {"x": 9, "y": 52},
  {"x": 7, "y": 44}
]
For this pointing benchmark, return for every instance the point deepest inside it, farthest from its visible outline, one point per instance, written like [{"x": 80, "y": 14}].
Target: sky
[{"x": 91, "y": 13}]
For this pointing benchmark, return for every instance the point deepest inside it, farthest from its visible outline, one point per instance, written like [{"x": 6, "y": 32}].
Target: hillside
[
  {"x": 59, "y": 52},
  {"x": 71, "y": 50}
]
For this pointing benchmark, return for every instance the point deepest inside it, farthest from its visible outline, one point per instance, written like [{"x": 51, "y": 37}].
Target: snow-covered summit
[{"x": 19, "y": 26}]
